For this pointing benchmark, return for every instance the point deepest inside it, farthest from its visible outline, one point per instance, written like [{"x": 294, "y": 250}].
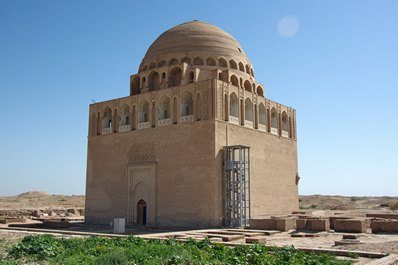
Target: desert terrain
[{"x": 27, "y": 202}]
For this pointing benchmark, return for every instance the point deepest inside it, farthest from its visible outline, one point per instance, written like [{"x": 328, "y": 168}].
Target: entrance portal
[{"x": 141, "y": 212}]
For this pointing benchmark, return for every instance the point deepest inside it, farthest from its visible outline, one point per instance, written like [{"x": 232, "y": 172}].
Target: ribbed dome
[{"x": 194, "y": 38}]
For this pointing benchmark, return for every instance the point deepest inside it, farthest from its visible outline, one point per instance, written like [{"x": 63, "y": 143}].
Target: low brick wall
[
  {"x": 334, "y": 218},
  {"x": 286, "y": 224},
  {"x": 383, "y": 215},
  {"x": 281, "y": 224},
  {"x": 313, "y": 224},
  {"x": 265, "y": 224},
  {"x": 350, "y": 225},
  {"x": 388, "y": 226}
]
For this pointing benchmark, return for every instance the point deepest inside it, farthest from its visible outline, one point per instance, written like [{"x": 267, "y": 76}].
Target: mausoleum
[{"x": 196, "y": 143}]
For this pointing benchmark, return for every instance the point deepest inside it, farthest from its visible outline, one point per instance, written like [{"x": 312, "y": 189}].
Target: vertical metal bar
[
  {"x": 233, "y": 186},
  {"x": 244, "y": 187},
  {"x": 225, "y": 184},
  {"x": 241, "y": 177},
  {"x": 248, "y": 191}
]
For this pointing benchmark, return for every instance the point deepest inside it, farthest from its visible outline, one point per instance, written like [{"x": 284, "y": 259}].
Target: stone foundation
[
  {"x": 350, "y": 225},
  {"x": 313, "y": 224},
  {"x": 281, "y": 224},
  {"x": 388, "y": 226}
]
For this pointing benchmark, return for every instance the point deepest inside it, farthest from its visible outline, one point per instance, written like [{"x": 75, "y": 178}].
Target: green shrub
[
  {"x": 354, "y": 199},
  {"x": 133, "y": 250},
  {"x": 394, "y": 206},
  {"x": 113, "y": 258},
  {"x": 38, "y": 246}
]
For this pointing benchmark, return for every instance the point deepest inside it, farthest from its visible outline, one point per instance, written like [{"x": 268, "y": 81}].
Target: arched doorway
[{"x": 141, "y": 212}]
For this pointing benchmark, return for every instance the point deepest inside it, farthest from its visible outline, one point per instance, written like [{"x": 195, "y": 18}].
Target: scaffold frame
[{"x": 236, "y": 173}]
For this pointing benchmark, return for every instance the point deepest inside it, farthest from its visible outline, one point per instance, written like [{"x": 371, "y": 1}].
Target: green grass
[
  {"x": 5, "y": 246},
  {"x": 47, "y": 249}
]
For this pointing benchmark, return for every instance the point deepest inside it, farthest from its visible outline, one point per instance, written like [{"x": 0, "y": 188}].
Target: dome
[{"x": 194, "y": 38}]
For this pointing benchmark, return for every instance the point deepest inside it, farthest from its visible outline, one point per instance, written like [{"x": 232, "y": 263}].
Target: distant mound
[
  {"x": 33, "y": 194},
  {"x": 40, "y": 200},
  {"x": 336, "y": 202}
]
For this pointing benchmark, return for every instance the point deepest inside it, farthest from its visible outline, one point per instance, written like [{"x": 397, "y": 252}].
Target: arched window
[
  {"x": 198, "y": 61},
  {"x": 191, "y": 77},
  {"x": 210, "y": 61},
  {"x": 261, "y": 117},
  {"x": 233, "y": 64},
  {"x": 274, "y": 121},
  {"x": 251, "y": 72},
  {"x": 163, "y": 76},
  {"x": 135, "y": 86},
  {"x": 222, "y": 62},
  {"x": 107, "y": 121},
  {"x": 143, "y": 112},
  {"x": 186, "y": 104},
  {"x": 107, "y": 118},
  {"x": 285, "y": 125},
  {"x": 153, "y": 81},
  {"x": 223, "y": 76},
  {"x": 248, "y": 86},
  {"x": 234, "y": 81},
  {"x": 143, "y": 80},
  {"x": 226, "y": 110},
  {"x": 234, "y": 107},
  {"x": 175, "y": 77},
  {"x": 153, "y": 112},
  {"x": 152, "y": 65},
  {"x": 260, "y": 91},
  {"x": 242, "y": 111},
  {"x": 125, "y": 115},
  {"x": 164, "y": 108},
  {"x": 161, "y": 63},
  {"x": 173, "y": 61},
  {"x": 186, "y": 60},
  {"x": 241, "y": 67},
  {"x": 249, "y": 111},
  {"x": 175, "y": 107},
  {"x": 247, "y": 69}
]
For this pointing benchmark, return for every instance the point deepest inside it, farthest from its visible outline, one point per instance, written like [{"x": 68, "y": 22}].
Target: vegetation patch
[
  {"x": 132, "y": 250},
  {"x": 394, "y": 206}
]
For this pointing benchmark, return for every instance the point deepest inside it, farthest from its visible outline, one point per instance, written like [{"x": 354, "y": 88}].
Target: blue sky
[{"x": 340, "y": 72}]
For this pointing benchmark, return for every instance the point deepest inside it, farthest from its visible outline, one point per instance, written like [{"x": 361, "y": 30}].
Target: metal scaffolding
[{"x": 236, "y": 185}]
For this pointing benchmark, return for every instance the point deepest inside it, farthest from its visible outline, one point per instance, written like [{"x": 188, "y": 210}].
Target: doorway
[{"x": 141, "y": 212}]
